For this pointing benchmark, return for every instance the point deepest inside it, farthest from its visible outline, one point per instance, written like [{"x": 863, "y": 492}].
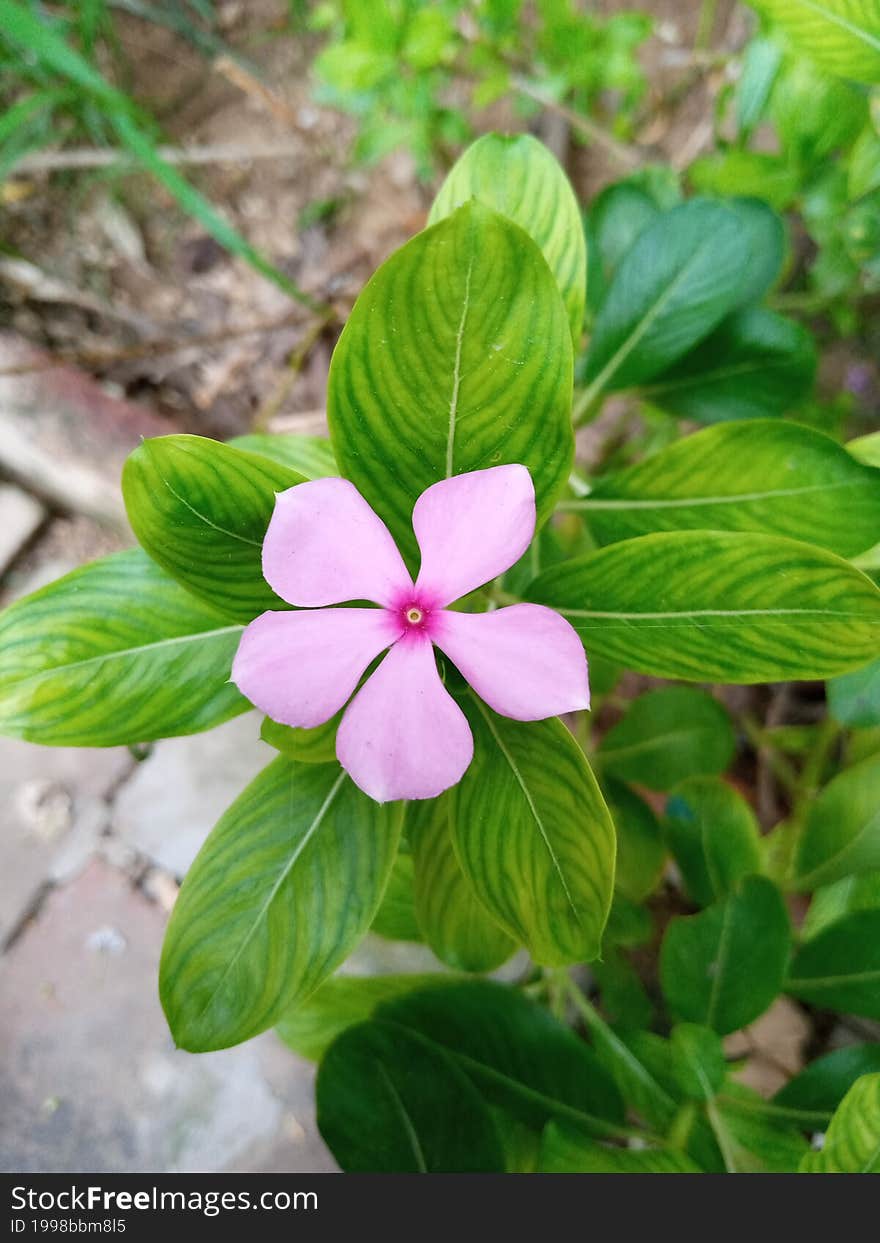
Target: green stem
[{"x": 761, "y": 740}]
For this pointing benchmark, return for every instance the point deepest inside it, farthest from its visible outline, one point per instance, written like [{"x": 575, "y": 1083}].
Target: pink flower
[{"x": 403, "y": 736}]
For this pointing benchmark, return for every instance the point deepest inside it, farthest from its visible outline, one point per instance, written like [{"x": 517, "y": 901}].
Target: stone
[
  {"x": 89, "y": 1076},
  {"x": 178, "y": 793},
  {"x": 21, "y": 516},
  {"x": 53, "y": 810}
]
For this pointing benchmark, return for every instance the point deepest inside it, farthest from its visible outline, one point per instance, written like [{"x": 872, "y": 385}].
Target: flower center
[{"x": 414, "y": 616}]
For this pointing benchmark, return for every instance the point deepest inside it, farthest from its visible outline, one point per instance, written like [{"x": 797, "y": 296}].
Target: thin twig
[
  {"x": 82, "y": 158},
  {"x": 629, "y": 158}
]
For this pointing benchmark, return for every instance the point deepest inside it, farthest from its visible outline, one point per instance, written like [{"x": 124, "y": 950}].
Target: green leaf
[
  {"x": 623, "y": 995},
  {"x": 832, "y": 902},
  {"x": 718, "y": 606},
  {"x": 700, "y": 1067},
  {"x": 751, "y": 1139},
  {"x": 310, "y": 746},
  {"x": 311, "y": 1026},
  {"x": 519, "y": 1056},
  {"x": 864, "y": 164},
  {"x": 436, "y": 371},
  {"x": 755, "y": 173},
  {"x": 452, "y": 920},
  {"x": 852, "y": 1141},
  {"x": 284, "y": 887},
  {"x": 770, "y": 477},
  {"x": 668, "y": 735},
  {"x": 396, "y": 917},
  {"x": 815, "y": 115},
  {"x": 519, "y": 178},
  {"x": 841, "y": 836},
  {"x": 310, "y": 456},
  {"x": 839, "y": 968},
  {"x": 390, "y": 1102},
  {"x": 724, "y": 967},
  {"x": 756, "y": 364},
  {"x": 854, "y": 698},
  {"x": 819, "y": 1089},
  {"x": 564, "y": 1151},
  {"x": 534, "y": 837},
  {"x": 641, "y": 853},
  {"x": 840, "y": 35},
  {"x": 201, "y": 510},
  {"x": 616, "y": 218},
  {"x": 765, "y": 231},
  {"x": 714, "y": 836},
  {"x": 761, "y": 62},
  {"x": 682, "y": 275},
  {"x": 114, "y": 653}
]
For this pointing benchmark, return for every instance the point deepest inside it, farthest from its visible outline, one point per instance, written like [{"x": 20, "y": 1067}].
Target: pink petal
[
  {"x": 325, "y": 545},
  {"x": 403, "y": 735},
  {"x": 525, "y": 661},
  {"x": 300, "y": 668},
  {"x": 471, "y": 528}
]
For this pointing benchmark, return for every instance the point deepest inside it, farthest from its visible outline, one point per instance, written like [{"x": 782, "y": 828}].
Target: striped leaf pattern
[
  {"x": 311, "y": 456},
  {"x": 682, "y": 275},
  {"x": 840, "y": 35},
  {"x": 755, "y": 364},
  {"x": 565, "y": 1151},
  {"x": 718, "y": 606},
  {"x": 114, "y": 653},
  {"x": 852, "y": 1141},
  {"x": 534, "y": 837},
  {"x": 456, "y": 357},
  {"x": 201, "y": 510},
  {"x": 286, "y": 884},
  {"x": 453, "y": 921},
  {"x": 765, "y": 476},
  {"x": 518, "y": 177}
]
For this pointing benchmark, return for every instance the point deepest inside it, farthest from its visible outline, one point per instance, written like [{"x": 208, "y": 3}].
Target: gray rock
[
  {"x": 89, "y": 1076},
  {"x": 178, "y": 794},
  {"x": 21, "y": 516}
]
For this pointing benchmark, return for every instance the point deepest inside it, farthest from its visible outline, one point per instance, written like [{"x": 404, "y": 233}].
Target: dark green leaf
[
  {"x": 841, "y": 836},
  {"x": 616, "y": 218},
  {"x": 114, "y": 653},
  {"x": 701, "y": 1066},
  {"x": 455, "y": 924},
  {"x": 683, "y": 274},
  {"x": 725, "y": 966},
  {"x": 311, "y": 1026},
  {"x": 820, "y": 1088},
  {"x": 765, "y": 231},
  {"x": 640, "y": 850},
  {"x": 832, "y": 902},
  {"x": 521, "y": 1059},
  {"x": 390, "y": 1102},
  {"x": 534, "y": 837},
  {"x": 282, "y": 890},
  {"x": 518, "y": 177},
  {"x": 437, "y": 373},
  {"x": 718, "y": 606},
  {"x": 714, "y": 836},
  {"x": 668, "y": 735},
  {"x": 201, "y": 510},
  {"x": 754, "y": 365},
  {"x": 839, "y": 968}
]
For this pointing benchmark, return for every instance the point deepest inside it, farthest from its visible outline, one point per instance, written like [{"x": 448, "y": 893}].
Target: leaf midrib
[
  {"x": 689, "y": 502},
  {"x": 808, "y": 880},
  {"x": 659, "y": 741},
  {"x": 273, "y": 893},
  {"x": 124, "y": 652},
  {"x": 533, "y": 810},
  {"x": 837, "y": 20},
  {"x": 407, "y": 1122}
]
